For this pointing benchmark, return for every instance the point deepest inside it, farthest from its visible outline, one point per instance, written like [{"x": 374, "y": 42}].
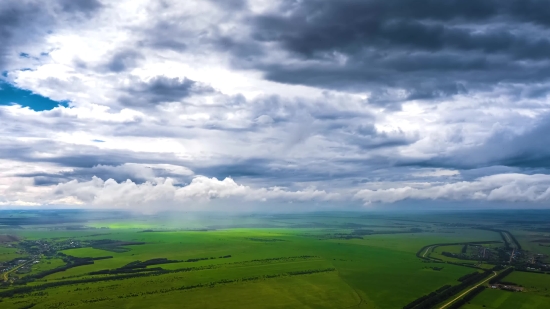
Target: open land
[{"x": 81, "y": 259}]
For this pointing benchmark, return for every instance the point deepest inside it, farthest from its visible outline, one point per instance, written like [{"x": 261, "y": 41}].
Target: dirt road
[
  {"x": 427, "y": 249},
  {"x": 14, "y": 269}
]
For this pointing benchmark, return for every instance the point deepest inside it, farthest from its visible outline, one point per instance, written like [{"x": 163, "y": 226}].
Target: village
[{"x": 32, "y": 252}]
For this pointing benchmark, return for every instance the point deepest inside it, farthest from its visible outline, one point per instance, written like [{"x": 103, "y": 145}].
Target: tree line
[
  {"x": 123, "y": 276},
  {"x": 420, "y": 252},
  {"x": 28, "y": 289},
  {"x": 71, "y": 261},
  {"x": 497, "y": 278},
  {"x": 502, "y": 232},
  {"x": 428, "y": 301},
  {"x": 468, "y": 276},
  {"x": 463, "y": 301},
  {"x": 226, "y": 281}
]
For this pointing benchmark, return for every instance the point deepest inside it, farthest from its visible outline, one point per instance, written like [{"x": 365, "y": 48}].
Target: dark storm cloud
[
  {"x": 163, "y": 89},
  {"x": 505, "y": 148},
  {"x": 526, "y": 150},
  {"x": 432, "y": 49}
]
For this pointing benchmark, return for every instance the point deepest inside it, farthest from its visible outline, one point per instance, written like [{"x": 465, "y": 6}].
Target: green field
[
  {"x": 534, "y": 283},
  {"x": 367, "y": 271},
  {"x": 290, "y": 261},
  {"x": 497, "y": 299},
  {"x": 536, "y": 294},
  {"x": 7, "y": 254}
]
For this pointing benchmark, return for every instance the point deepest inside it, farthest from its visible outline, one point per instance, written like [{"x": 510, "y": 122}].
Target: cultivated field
[{"x": 278, "y": 261}]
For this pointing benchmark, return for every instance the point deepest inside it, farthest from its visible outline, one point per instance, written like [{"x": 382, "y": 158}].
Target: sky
[{"x": 274, "y": 105}]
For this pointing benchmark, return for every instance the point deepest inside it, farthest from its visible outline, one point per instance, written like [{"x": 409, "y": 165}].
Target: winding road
[
  {"x": 427, "y": 249},
  {"x": 6, "y": 274}
]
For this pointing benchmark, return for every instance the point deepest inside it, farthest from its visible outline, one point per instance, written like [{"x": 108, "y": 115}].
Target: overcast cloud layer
[{"x": 263, "y": 105}]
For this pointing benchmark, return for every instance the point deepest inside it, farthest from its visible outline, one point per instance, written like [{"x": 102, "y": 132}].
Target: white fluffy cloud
[
  {"x": 500, "y": 187},
  {"x": 165, "y": 98},
  {"x": 164, "y": 194}
]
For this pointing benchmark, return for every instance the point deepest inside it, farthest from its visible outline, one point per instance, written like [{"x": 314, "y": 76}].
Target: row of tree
[
  {"x": 125, "y": 271},
  {"x": 207, "y": 258},
  {"x": 225, "y": 281},
  {"x": 71, "y": 261},
  {"x": 420, "y": 252},
  {"x": 140, "y": 264},
  {"x": 502, "y": 234},
  {"x": 430, "y": 300},
  {"x": 463, "y": 301},
  {"x": 123, "y": 276},
  {"x": 468, "y": 276},
  {"x": 497, "y": 278}
]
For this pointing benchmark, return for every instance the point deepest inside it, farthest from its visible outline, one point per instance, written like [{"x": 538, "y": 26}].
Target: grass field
[
  {"x": 292, "y": 261},
  {"x": 534, "y": 283},
  {"x": 367, "y": 271},
  {"x": 536, "y": 294},
  {"x": 7, "y": 254},
  {"x": 497, "y": 299}
]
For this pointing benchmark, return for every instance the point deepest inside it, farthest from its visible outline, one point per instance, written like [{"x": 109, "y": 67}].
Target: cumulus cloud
[
  {"x": 165, "y": 194},
  {"x": 500, "y": 187},
  {"x": 282, "y": 100},
  {"x": 135, "y": 172}
]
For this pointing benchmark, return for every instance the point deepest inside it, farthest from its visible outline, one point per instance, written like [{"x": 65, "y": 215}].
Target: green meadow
[
  {"x": 498, "y": 299},
  {"x": 366, "y": 272},
  {"x": 7, "y": 254},
  {"x": 293, "y": 261},
  {"x": 536, "y": 293}
]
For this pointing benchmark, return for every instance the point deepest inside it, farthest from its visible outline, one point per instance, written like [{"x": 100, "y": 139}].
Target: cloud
[
  {"x": 82, "y": 6},
  {"x": 437, "y": 173},
  {"x": 446, "y": 48},
  {"x": 500, "y": 187},
  {"x": 23, "y": 24},
  {"x": 162, "y": 89},
  {"x": 504, "y": 146},
  {"x": 163, "y": 194},
  {"x": 136, "y": 172},
  {"x": 284, "y": 100},
  {"x": 123, "y": 60}
]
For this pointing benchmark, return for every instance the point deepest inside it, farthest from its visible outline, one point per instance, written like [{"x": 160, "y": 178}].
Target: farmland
[{"x": 337, "y": 260}]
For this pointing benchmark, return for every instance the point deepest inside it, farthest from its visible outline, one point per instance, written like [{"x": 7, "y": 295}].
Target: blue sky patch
[
  {"x": 9, "y": 95},
  {"x": 98, "y": 141}
]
